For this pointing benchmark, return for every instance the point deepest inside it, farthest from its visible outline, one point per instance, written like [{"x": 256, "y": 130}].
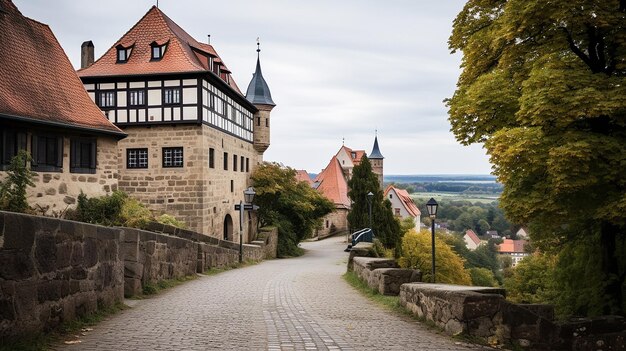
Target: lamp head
[
  {"x": 248, "y": 195},
  {"x": 431, "y": 206}
]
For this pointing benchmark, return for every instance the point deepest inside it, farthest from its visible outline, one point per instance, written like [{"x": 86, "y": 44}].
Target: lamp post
[
  {"x": 248, "y": 196},
  {"x": 370, "y": 195},
  {"x": 431, "y": 206}
]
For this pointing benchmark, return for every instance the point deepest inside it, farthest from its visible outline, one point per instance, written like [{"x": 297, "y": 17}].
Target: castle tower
[
  {"x": 376, "y": 159},
  {"x": 259, "y": 95}
]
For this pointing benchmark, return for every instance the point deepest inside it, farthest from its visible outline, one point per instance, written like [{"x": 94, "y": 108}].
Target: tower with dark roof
[
  {"x": 376, "y": 159},
  {"x": 259, "y": 95}
]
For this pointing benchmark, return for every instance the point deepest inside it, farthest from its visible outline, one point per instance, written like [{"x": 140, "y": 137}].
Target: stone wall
[
  {"x": 151, "y": 257},
  {"x": 484, "y": 313},
  {"x": 52, "y": 271},
  {"x": 54, "y": 192},
  {"x": 333, "y": 223},
  {"x": 383, "y": 274},
  {"x": 196, "y": 194}
]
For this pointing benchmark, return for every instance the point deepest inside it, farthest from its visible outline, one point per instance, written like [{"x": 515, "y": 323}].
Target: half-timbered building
[
  {"x": 45, "y": 110},
  {"x": 193, "y": 137}
]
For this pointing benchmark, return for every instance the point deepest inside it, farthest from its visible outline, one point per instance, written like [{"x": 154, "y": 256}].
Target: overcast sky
[{"x": 336, "y": 69}]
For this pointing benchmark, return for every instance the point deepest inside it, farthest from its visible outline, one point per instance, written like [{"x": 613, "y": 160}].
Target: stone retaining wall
[
  {"x": 383, "y": 275},
  {"x": 484, "y": 313},
  {"x": 151, "y": 257},
  {"x": 52, "y": 271}
]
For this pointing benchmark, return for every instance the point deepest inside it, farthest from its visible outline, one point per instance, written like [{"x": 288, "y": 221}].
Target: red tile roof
[
  {"x": 358, "y": 154},
  {"x": 303, "y": 176},
  {"x": 512, "y": 246},
  {"x": 472, "y": 236},
  {"x": 405, "y": 199},
  {"x": 37, "y": 80},
  {"x": 183, "y": 53},
  {"x": 333, "y": 184}
]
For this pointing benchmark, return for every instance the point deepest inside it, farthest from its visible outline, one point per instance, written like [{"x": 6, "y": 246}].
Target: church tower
[
  {"x": 376, "y": 159},
  {"x": 259, "y": 95}
]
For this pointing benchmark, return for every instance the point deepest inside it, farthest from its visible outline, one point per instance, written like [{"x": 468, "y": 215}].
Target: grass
[
  {"x": 43, "y": 341},
  {"x": 392, "y": 303},
  {"x": 152, "y": 289}
]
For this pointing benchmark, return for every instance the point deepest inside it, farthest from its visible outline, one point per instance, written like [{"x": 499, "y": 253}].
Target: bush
[
  {"x": 417, "y": 254},
  {"x": 134, "y": 214},
  {"x": 13, "y": 188},
  {"x": 171, "y": 220},
  {"x": 482, "y": 277}
]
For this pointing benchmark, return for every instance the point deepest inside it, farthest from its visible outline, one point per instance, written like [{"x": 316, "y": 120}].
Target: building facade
[
  {"x": 193, "y": 137},
  {"x": 403, "y": 205},
  {"x": 45, "y": 110},
  {"x": 332, "y": 182}
]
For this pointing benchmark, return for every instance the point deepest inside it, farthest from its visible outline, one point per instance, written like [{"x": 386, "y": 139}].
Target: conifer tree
[{"x": 386, "y": 227}]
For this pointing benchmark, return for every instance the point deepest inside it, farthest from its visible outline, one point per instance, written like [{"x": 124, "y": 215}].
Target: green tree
[
  {"x": 482, "y": 277},
  {"x": 292, "y": 206},
  {"x": 416, "y": 253},
  {"x": 386, "y": 227},
  {"x": 13, "y": 187},
  {"x": 543, "y": 85}
]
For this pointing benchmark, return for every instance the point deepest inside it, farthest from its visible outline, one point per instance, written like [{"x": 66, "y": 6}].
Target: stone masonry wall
[
  {"x": 54, "y": 192},
  {"x": 152, "y": 257},
  {"x": 52, "y": 271},
  {"x": 383, "y": 274},
  {"x": 196, "y": 194},
  {"x": 333, "y": 223}
]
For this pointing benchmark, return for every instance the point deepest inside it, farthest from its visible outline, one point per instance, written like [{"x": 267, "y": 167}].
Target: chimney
[{"x": 86, "y": 54}]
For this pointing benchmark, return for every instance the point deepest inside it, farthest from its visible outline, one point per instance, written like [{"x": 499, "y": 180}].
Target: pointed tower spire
[
  {"x": 258, "y": 92},
  {"x": 375, "y": 154}
]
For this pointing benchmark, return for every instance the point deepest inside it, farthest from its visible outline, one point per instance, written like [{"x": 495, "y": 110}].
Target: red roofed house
[
  {"x": 402, "y": 204},
  {"x": 333, "y": 183},
  {"x": 303, "y": 176},
  {"x": 193, "y": 137},
  {"x": 471, "y": 240},
  {"x": 514, "y": 249},
  {"x": 45, "y": 110}
]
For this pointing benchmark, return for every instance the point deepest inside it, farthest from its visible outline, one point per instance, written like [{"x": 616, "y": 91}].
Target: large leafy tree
[
  {"x": 386, "y": 226},
  {"x": 544, "y": 86},
  {"x": 294, "y": 207}
]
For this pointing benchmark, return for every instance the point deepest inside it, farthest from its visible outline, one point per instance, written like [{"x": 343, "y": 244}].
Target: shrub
[
  {"x": 171, "y": 220},
  {"x": 104, "y": 210},
  {"x": 134, "y": 214},
  {"x": 482, "y": 277},
  {"x": 13, "y": 188}
]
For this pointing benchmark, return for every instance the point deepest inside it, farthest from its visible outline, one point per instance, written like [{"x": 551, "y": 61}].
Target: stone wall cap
[{"x": 456, "y": 288}]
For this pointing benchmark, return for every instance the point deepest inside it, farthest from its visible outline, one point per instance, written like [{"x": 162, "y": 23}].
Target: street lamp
[
  {"x": 431, "y": 206},
  {"x": 370, "y": 195},
  {"x": 248, "y": 196}
]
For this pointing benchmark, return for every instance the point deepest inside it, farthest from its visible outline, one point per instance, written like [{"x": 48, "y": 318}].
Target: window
[
  {"x": 353, "y": 155},
  {"x": 235, "y": 163},
  {"x": 226, "y": 161},
  {"x": 137, "y": 158},
  {"x": 247, "y": 164},
  {"x": 136, "y": 98},
  {"x": 106, "y": 99},
  {"x": 397, "y": 211},
  {"x": 158, "y": 51},
  {"x": 211, "y": 158},
  {"x": 241, "y": 163},
  {"x": 391, "y": 196},
  {"x": 83, "y": 152},
  {"x": 327, "y": 224},
  {"x": 172, "y": 157},
  {"x": 123, "y": 53},
  {"x": 11, "y": 141},
  {"x": 258, "y": 121},
  {"x": 47, "y": 153},
  {"x": 232, "y": 186},
  {"x": 267, "y": 122},
  {"x": 171, "y": 96}
]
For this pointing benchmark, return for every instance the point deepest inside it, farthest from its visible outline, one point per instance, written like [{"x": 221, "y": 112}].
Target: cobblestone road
[{"x": 295, "y": 304}]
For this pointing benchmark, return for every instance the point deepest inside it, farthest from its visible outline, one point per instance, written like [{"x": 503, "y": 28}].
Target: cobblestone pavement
[{"x": 294, "y": 304}]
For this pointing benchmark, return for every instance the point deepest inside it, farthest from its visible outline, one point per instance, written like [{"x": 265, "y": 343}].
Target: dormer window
[
  {"x": 123, "y": 53},
  {"x": 353, "y": 154},
  {"x": 158, "y": 50}
]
